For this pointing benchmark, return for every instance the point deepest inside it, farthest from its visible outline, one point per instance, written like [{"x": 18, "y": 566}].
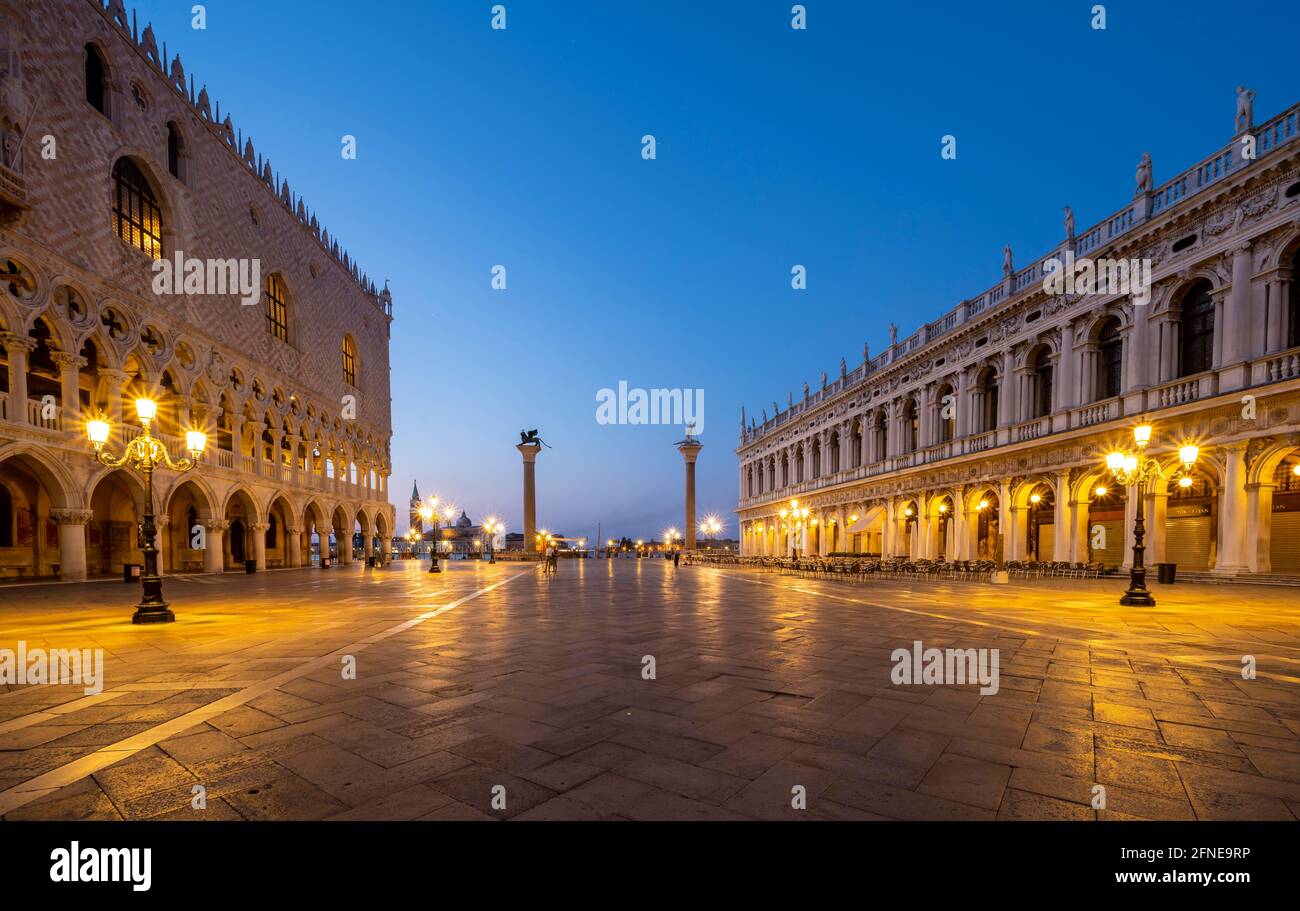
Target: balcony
[{"x": 69, "y": 437}]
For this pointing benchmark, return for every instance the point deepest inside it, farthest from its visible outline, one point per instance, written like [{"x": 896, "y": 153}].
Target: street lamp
[
  {"x": 795, "y": 516},
  {"x": 492, "y": 526},
  {"x": 1136, "y": 468},
  {"x": 428, "y": 512},
  {"x": 146, "y": 453},
  {"x": 711, "y": 525}
]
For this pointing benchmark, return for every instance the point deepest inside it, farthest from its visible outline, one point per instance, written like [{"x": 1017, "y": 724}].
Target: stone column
[
  {"x": 1156, "y": 518},
  {"x": 1259, "y": 528},
  {"x": 1238, "y": 306},
  {"x": 530, "y": 452},
  {"x": 1064, "y": 389},
  {"x": 69, "y": 376},
  {"x": 17, "y": 346},
  {"x": 1063, "y": 519},
  {"x": 1279, "y": 292},
  {"x": 1079, "y": 528},
  {"x": 256, "y": 429},
  {"x": 72, "y": 542},
  {"x": 690, "y": 450},
  {"x": 1233, "y": 516},
  {"x": 1133, "y": 493},
  {"x": 259, "y": 530},
  {"x": 293, "y": 546},
  {"x": 213, "y": 546},
  {"x": 1007, "y": 399}
]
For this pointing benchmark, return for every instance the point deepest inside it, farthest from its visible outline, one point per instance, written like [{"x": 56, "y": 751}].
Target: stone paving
[{"x": 492, "y": 676}]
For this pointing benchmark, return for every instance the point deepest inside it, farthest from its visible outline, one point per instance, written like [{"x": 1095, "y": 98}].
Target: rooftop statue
[
  {"x": 1245, "y": 109},
  {"x": 530, "y": 438},
  {"x": 1144, "y": 179}
]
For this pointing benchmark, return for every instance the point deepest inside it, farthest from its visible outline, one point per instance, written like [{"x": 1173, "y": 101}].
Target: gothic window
[
  {"x": 1196, "y": 342},
  {"x": 96, "y": 80},
  {"x": 349, "y": 361},
  {"x": 175, "y": 152},
  {"x": 1110, "y": 364},
  {"x": 137, "y": 219},
  {"x": 277, "y": 308}
]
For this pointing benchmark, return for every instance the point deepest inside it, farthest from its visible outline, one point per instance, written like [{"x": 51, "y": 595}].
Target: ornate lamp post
[
  {"x": 1138, "y": 469},
  {"x": 492, "y": 526},
  {"x": 711, "y": 525},
  {"x": 792, "y": 519},
  {"x": 429, "y": 514},
  {"x": 146, "y": 454}
]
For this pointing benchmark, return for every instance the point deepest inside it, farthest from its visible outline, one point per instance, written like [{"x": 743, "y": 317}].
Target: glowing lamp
[
  {"x": 98, "y": 432},
  {"x": 1130, "y": 463},
  {"x": 1115, "y": 461},
  {"x": 196, "y": 441},
  {"x": 1296, "y": 470},
  {"x": 146, "y": 409},
  {"x": 984, "y": 504},
  {"x": 1036, "y": 498},
  {"x": 1099, "y": 491},
  {"x": 908, "y": 512},
  {"x": 1185, "y": 482},
  {"x": 943, "y": 507},
  {"x": 1188, "y": 455},
  {"x": 1142, "y": 434}
]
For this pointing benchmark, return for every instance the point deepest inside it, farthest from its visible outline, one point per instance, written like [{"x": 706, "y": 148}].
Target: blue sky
[{"x": 775, "y": 147}]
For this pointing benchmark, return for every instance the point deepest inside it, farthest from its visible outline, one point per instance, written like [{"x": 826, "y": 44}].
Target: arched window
[
  {"x": 1196, "y": 341},
  {"x": 947, "y": 414},
  {"x": 988, "y": 390},
  {"x": 277, "y": 308},
  {"x": 1293, "y": 334},
  {"x": 137, "y": 219},
  {"x": 912, "y": 426},
  {"x": 175, "y": 152},
  {"x": 1111, "y": 362},
  {"x": 96, "y": 80},
  {"x": 191, "y": 520},
  {"x": 6, "y": 517},
  {"x": 349, "y": 361},
  {"x": 1043, "y": 383},
  {"x": 271, "y": 529},
  {"x": 881, "y": 433}
]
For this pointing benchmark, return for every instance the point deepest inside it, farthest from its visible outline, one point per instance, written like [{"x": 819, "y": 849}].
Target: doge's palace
[{"x": 115, "y": 161}]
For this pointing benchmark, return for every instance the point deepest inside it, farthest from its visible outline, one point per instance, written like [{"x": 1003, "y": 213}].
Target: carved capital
[
  {"x": 72, "y": 516},
  {"x": 65, "y": 360},
  {"x": 217, "y": 525}
]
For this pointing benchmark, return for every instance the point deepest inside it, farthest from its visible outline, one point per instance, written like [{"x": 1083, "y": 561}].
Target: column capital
[
  {"x": 221, "y": 525},
  {"x": 63, "y": 359},
  {"x": 72, "y": 516},
  {"x": 530, "y": 451},
  {"x": 260, "y": 527},
  {"x": 14, "y": 342},
  {"x": 295, "y": 529}
]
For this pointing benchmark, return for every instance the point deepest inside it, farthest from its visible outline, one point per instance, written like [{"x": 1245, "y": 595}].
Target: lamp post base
[
  {"x": 153, "y": 613},
  {"x": 1138, "y": 599}
]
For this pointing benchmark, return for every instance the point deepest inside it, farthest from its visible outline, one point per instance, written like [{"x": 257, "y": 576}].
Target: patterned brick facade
[{"x": 296, "y": 451}]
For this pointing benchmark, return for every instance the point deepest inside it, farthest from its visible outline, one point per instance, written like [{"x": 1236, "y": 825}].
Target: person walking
[{"x": 677, "y": 558}]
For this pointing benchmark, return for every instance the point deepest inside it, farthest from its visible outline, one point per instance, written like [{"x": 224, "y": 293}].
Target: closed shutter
[
  {"x": 1284, "y": 547},
  {"x": 1113, "y": 553},
  {"x": 1046, "y": 541},
  {"x": 1187, "y": 542}
]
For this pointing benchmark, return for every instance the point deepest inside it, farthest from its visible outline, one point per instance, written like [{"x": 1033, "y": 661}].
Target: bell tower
[{"x": 417, "y": 524}]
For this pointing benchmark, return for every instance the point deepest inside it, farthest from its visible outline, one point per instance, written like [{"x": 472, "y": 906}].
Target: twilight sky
[{"x": 775, "y": 147}]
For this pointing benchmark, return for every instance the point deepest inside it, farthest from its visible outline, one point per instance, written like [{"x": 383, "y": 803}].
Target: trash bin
[
  {"x": 324, "y": 562},
  {"x": 250, "y": 566},
  {"x": 130, "y": 572},
  {"x": 1165, "y": 573}
]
